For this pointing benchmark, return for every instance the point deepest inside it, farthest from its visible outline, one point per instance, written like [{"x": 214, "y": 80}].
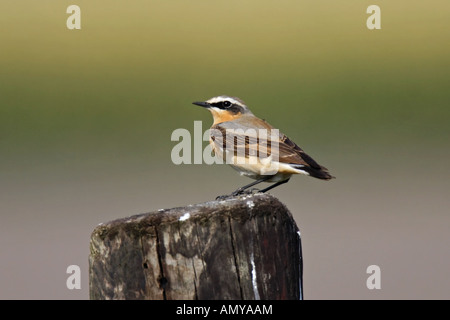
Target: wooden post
[{"x": 245, "y": 247}]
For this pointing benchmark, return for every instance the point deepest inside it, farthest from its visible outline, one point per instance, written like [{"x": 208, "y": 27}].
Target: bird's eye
[{"x": 227, "y": 104}]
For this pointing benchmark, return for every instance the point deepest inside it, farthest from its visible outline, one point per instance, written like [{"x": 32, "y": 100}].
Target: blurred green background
[{"x": 86, "y": 118}]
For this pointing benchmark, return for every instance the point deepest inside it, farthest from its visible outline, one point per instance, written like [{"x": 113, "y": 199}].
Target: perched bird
[{"x": 254, "y": 148}]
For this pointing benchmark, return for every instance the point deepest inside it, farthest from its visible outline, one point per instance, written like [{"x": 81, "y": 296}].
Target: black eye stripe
[
  {"x": 223, "y": 104},
  {"x": 227, "y": 105}
]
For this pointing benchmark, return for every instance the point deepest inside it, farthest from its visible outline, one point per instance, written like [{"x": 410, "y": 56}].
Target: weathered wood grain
[{"x": 245, "y": 247}]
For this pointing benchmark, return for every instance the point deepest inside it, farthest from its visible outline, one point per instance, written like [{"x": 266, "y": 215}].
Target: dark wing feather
[
  {"x": 251, "y": 143},
  {"x": 293, "y": 154}
]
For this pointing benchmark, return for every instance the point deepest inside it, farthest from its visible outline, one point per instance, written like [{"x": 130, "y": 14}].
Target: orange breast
[{"x": 223, "y": 115}]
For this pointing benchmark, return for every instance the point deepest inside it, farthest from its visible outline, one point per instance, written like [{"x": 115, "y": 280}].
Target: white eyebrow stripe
[{"x": 224, "y": 98}]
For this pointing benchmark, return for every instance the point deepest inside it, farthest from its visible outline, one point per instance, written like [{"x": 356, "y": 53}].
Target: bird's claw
[
  {"x": 238, "y": 193},
  {"x": 224, "y": 197},
  {"x": 245, "y": 192}
]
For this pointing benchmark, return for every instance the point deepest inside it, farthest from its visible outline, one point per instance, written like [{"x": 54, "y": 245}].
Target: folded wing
[{"x": 262, "y": 140}]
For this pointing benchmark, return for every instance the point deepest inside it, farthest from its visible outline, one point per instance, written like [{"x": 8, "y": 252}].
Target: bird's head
[{"x": 225, "y": 108}]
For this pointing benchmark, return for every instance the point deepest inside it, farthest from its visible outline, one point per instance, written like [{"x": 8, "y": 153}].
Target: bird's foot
[
  {"x": 224, "y": 197},
  {"x": 251, "y": 191},
  {"x": 238, "y": 192}
]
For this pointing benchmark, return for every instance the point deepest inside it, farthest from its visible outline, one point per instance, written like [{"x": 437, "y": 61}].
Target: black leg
[
  {"x": 241, "y": 189},
  {"x": 274, "y": 185}
]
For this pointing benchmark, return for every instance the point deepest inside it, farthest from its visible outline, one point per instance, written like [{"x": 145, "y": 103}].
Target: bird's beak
[{"x": 202, "y": 104}]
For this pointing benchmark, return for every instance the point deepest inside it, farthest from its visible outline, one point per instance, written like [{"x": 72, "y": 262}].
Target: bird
[{"x": 255, "y": 148}]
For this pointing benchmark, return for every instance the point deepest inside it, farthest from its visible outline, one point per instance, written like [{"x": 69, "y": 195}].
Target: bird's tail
[{"x": 318, "y": 172}]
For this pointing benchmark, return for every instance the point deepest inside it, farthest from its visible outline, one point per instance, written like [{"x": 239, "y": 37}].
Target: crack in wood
[
  {"x": 235, "y": 258},
  {"x": 162, "y": 280},
  {"x": 195, "y": 280},
  {"x": 200, "y": 252},
  {"x": 300, "y": 265}
]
